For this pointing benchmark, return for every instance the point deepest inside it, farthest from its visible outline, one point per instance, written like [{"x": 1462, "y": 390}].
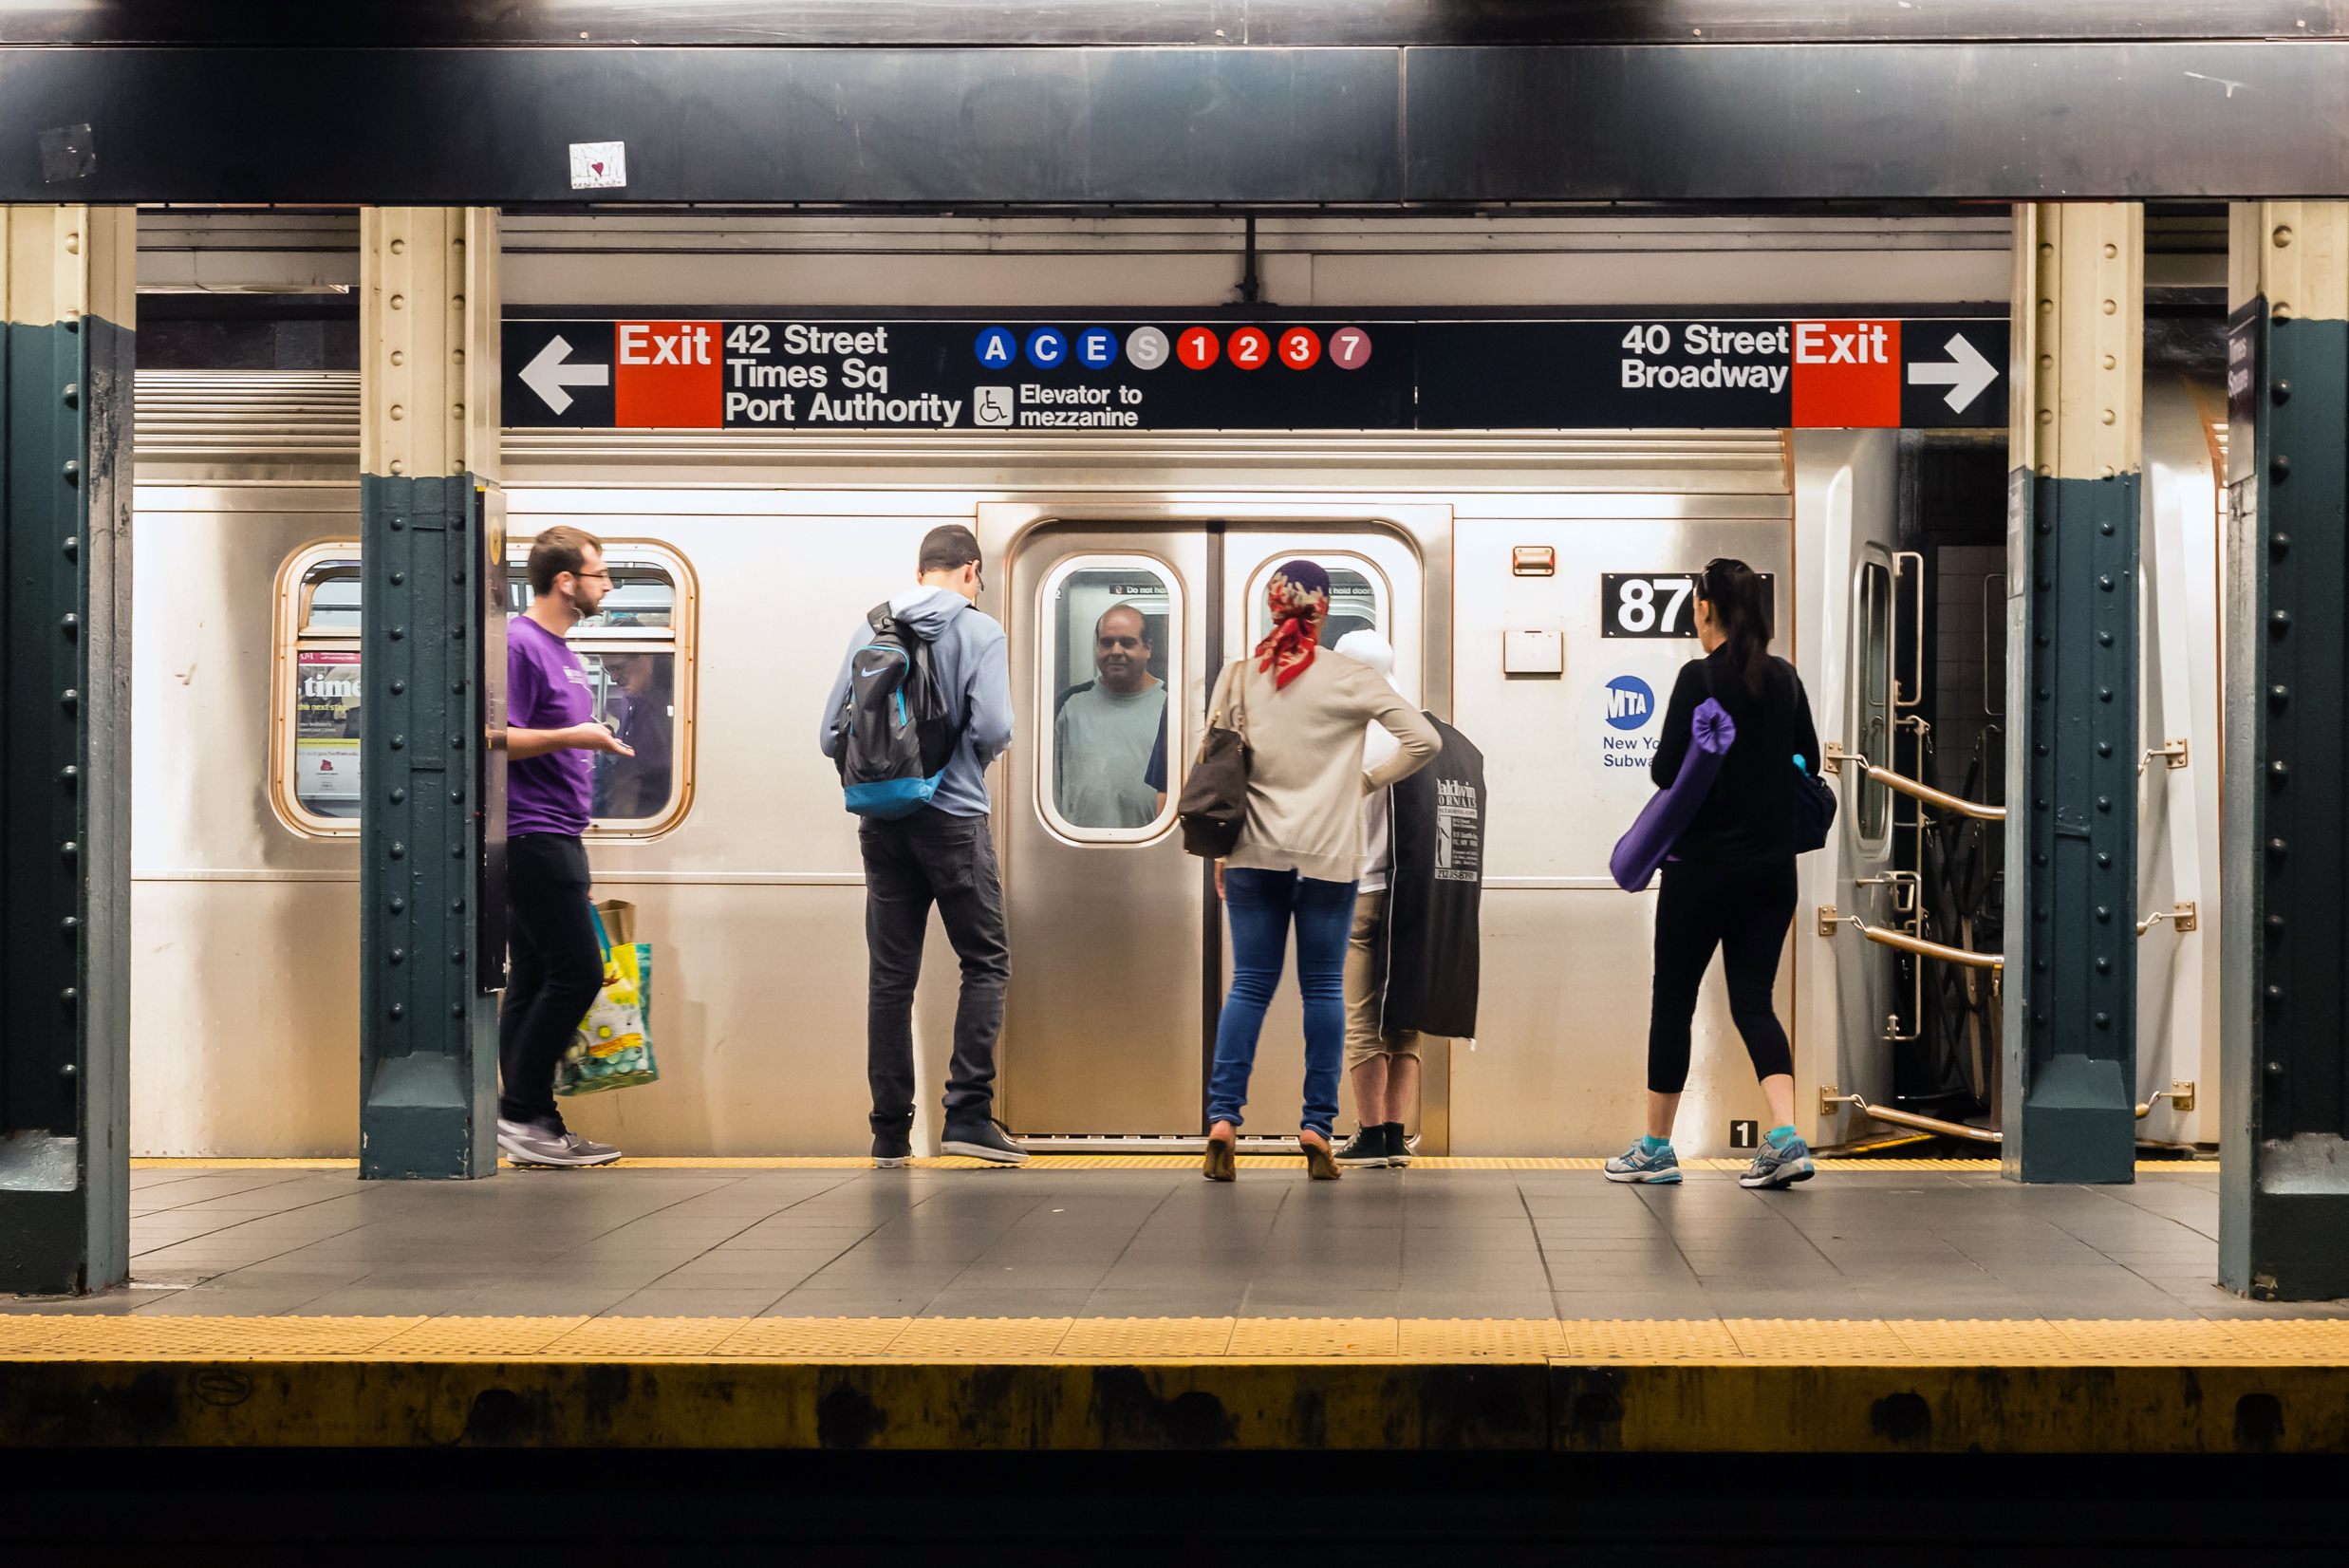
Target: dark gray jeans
[{"x": 929, "y": 858}]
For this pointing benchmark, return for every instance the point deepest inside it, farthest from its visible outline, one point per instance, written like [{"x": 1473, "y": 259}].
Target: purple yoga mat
[{"x": 1666, "y": 814}]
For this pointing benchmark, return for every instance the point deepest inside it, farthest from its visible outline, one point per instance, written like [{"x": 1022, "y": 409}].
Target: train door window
[
  {"x": 1357, "y": 597},
  {"x": 1110, "y": 757},
  {"x": 636, "y": 651},
  {"x": 1874, "y": 690}
]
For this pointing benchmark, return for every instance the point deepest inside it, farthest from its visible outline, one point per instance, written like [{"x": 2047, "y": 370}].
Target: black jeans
[
  {"x": 932, "y": 857},
  {"x": 555, "y": 968},
  {"x": 1743, "y": 908}
]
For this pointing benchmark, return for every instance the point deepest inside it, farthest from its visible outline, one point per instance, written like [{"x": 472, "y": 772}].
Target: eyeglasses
[{"x": 605, "y": 575}]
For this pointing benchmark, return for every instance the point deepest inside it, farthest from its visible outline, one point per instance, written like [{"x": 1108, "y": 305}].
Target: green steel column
[
  {"x": 68, "y": 284},
  {"x": 2069, "y": 1094},
  {"x": 431, "y": 681},
  {"x": 2283, "y": 1173}
]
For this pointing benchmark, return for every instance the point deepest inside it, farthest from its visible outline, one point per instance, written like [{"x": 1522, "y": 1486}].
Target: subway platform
[{"x": 1091, "y": 1302}]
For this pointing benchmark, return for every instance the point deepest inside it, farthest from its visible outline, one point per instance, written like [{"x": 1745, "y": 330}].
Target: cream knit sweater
[{"x": 1305, "y": 776}]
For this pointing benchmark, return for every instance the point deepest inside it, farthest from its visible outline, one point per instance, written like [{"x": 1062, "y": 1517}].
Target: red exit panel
[
  {"x": 1846, "y": 375},
  {"x": 667, "y": 375}
]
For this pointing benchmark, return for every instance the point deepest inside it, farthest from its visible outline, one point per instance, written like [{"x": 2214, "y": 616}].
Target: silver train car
[{"x": 743, "y": 561}]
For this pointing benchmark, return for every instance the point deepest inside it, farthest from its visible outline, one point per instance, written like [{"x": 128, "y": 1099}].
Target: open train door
[{"x": 1854, "y": 999}]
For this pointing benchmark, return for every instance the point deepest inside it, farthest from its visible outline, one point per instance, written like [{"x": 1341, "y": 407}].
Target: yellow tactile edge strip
[
  {"x": 1118, "y": 1161},
  {"x": 1714, "y": 1341}
]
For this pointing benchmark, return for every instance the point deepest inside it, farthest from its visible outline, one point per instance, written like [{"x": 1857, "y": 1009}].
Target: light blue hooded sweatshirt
[{"x": 974, "y": 673}]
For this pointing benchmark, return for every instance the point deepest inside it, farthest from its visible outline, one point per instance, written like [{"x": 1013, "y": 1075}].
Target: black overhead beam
[
  {"x": 1044, "y": 126},
  {"x": 444, "y": 23}
]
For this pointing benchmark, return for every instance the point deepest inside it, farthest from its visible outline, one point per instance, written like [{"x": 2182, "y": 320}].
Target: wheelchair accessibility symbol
[{"x": 991, "y": 407}]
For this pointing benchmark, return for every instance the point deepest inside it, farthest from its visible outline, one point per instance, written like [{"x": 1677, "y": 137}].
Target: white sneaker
[{"x": 526, "y": 1143}]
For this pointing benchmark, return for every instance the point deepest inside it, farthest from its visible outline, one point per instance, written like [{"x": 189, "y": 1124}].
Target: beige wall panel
[
  {"x": 1561, "y": 1064},
  {"x": 245, "y": 1018},
  {"x": 758, "y": 1021},
  {"x": 203, "y": 623}
]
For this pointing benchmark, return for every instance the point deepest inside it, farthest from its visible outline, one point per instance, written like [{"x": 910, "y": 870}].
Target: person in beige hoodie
[{"x": 1304, "y": 710}]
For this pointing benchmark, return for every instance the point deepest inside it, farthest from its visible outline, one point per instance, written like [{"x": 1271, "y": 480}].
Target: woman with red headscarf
[{"x": 1304, "y": 709}]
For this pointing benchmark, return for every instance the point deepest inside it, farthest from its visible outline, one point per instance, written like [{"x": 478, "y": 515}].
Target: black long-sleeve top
[{"x": 1749, "y": 814}]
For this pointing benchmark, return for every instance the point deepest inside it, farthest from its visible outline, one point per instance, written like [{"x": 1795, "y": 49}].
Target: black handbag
[
  {"x": 1814, "y": 799},
  {"x": 1214, "y": 805},
  {"x": 1814, "y": 811}
]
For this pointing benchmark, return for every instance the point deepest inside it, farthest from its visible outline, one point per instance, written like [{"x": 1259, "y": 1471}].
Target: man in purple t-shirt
[{"x": 555, "y": 966}]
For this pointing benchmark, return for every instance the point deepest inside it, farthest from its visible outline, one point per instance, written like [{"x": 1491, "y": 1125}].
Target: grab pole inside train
[
  {"x": 2075, "y": 445},
  {"x": 66, "y": 283},
  {"x": 431, "y": 553},
  {"x": 2283, "y": 1230}
]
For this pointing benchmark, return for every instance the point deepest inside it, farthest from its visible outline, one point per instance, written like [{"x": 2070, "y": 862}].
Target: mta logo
[{"x": 1630, "y": 703}]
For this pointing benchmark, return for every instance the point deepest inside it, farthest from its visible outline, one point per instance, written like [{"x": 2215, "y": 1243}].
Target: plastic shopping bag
[{"x": 613, "y": 1046}]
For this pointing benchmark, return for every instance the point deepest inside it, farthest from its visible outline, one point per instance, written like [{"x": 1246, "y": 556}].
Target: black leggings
[{"x": 1743, "y": 908}]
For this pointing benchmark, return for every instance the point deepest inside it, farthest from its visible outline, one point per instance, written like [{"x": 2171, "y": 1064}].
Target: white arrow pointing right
[
  {"x": 548, "y": 375},
  {"x": 1964, "y": 373}
]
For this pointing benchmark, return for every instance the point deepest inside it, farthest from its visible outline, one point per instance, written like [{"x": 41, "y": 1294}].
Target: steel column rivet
[
  {"x": 398, "y": 742},
  {"x": 398, "y": 851},
  {"x": 398, "y": 1011},
  {"x": 398, "y": 955},
  {"x": 2105, "y": 861},
  {"x": 73, "y": 471},
  {"x": 457, "y": 1010},
  {"x": 2279, "y": 468},
  {"x": 2280, "y": 392},
  {"x": 70, "y": 625},
  {"x": 73, "y": 395},
  {"x": 2104, "y": 914}
]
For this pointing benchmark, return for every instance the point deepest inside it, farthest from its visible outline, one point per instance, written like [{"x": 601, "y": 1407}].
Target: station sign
[{"x": 1656, "y": 372}]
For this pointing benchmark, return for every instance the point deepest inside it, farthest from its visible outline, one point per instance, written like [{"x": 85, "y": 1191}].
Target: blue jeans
[{"x": 1260, "y": 904}]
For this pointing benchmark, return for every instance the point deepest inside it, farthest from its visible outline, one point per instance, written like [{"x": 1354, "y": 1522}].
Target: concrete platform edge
[{"x": 1171, "y": 1405}]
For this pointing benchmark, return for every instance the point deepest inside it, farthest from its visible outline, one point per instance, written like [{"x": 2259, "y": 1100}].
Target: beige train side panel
[{"x": 1560, "y": 1063}]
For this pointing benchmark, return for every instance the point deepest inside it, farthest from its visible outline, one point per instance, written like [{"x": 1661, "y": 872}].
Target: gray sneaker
[
  {"x": 1779, "y": 1163},
  {"x": 1636, "y": 1164},
  {"x": 526, "y": 1143},
  {"x": 983, "y": 1141}
]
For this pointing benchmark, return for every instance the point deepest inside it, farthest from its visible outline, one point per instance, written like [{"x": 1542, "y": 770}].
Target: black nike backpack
[{"x": 893, "y": 735}]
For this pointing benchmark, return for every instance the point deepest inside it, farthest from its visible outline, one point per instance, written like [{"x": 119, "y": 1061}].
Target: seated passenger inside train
[
  {"x": 635, "y": 704},
  {"x": 1108, "y": 727}
]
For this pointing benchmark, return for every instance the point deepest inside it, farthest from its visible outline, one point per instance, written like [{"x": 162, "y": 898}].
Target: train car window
[
  {"x": 1357, "y": 598},
  {"x": 637, "y": 652},
  {"x": 632, "y": 651},
  {"x": 1875, "y": 691},
  {"x": 1111, "y": 748},
  {"x": 321, "y": 764}
]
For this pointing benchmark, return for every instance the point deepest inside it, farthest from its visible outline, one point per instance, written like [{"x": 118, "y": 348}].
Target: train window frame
[
  {"x": 1048, "y": 687},
  {"x": 1381, "y": 591},
  {"x": 1873, "y": 634},
  {"x": 294, "y": 636}
]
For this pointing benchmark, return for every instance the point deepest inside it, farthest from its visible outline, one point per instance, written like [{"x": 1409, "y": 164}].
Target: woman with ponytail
[
  {"x": 1731, "y": 880},
  {"x": 1304, "y": 709}
]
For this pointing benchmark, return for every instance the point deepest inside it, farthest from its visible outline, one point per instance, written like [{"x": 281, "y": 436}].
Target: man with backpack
[{"x": 921, "y": 704}]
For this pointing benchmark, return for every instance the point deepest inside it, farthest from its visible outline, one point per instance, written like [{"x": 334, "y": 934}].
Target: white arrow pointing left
[
  {"x": 548, "y": 375},
  {"x": 1964, "y": 373}
]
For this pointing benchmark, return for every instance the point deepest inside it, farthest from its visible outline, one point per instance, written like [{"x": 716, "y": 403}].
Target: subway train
[{"x": 1533, "y": 586}]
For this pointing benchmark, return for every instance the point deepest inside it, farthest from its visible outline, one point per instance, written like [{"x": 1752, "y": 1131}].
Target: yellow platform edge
[
  {"x": 1107, "y": 1162},
  {"x": 1163, "y": 1383}
]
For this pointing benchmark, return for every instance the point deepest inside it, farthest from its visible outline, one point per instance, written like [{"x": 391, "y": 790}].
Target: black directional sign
[{"x": 1656, "y": 372}]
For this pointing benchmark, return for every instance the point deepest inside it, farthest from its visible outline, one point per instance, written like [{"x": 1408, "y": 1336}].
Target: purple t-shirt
[{"x": 546, "y": 689}]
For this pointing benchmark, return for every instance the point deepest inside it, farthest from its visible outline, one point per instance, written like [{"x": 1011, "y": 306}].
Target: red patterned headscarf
[{"x": 1298, "y": 596}]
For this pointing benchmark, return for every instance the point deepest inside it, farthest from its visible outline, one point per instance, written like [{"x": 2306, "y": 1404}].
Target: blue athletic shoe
[
  {"x": 1779, "y": 1163},
  {"x": 1636, "y": 1164}
]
